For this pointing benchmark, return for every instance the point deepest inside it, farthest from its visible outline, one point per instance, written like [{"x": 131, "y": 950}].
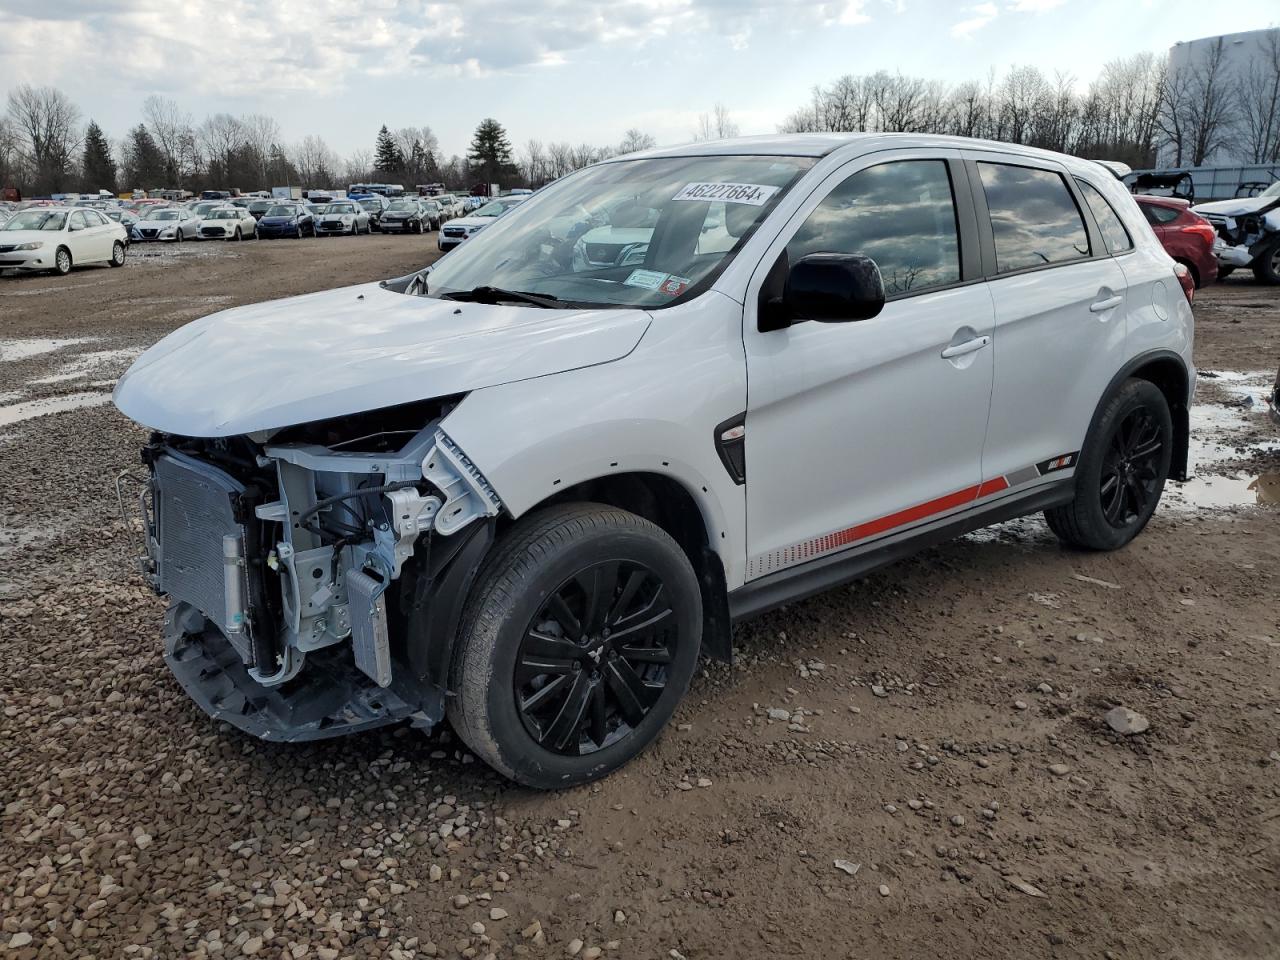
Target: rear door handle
[
  {"x": 969, "y": 346},
  {"x": 1101, "y": 306}
]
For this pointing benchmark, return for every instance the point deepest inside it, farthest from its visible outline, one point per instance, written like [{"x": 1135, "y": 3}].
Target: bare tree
[
  {"x": 317, "y": 164},
  {"x": 260, "y": 134},
  {"x": 1200, "y": 109},
  {"x": 1258, "y": 94},
  {"x": 635, "y": 140},
  {"x": 171, "y": 128},
  {"x": 534, "y": 164},
  {"x": 358, "y": 166},
  {"x": 47, "y": 128},
  {"x": 717, "y": 125},
  {"x": 221, "y": 139}
]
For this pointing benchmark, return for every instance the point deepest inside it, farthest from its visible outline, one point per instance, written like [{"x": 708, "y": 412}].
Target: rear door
[
  {"x": 1060, "y": 303},
  {"x": 867, "y": 430}
]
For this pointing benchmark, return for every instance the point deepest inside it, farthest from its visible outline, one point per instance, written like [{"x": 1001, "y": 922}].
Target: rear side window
[
  {"x": 1158, "y": 214},
  {"x": 1033, "y": 217},
  {"x": 900, "y": 214},
  {"x": 1114, "y": 235}
]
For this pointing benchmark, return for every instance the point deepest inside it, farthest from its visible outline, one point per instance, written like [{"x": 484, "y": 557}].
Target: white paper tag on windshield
[
  {"x": 754, "y": 194},
  {"x": 649, "y": 279}
]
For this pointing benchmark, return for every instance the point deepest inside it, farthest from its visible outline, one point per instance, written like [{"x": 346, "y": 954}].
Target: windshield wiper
[{"x": 498, "y": 295}]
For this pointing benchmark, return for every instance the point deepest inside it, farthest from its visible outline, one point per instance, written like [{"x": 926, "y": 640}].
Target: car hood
[
  {"x": 1239, "y": 207},
  {"x": 268, "y": 221},
  {"x": 159, "y": 224},
  {"x": 285, "y": 362}
]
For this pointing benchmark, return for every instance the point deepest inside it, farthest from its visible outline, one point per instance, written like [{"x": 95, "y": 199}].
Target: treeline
[
  {"x": 1134, "y": 111},
  {"x": 45, "y": 148}
]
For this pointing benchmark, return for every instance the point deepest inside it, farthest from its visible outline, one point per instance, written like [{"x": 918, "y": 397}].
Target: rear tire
[
  {"x": 577, "y": 642},
  {"x": 1121, "y": 471},
  {"x": 1267, "y": 265}
]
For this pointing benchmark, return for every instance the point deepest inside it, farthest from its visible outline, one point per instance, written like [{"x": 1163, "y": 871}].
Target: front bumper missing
[{"x": 329, "y": 699}]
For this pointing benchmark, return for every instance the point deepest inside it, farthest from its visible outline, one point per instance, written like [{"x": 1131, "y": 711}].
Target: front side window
[
  {"x": 1114, "y": 234},
  {"x": 1033, "y": 217},
  {"x": 627, "y": 233},
  {"x": 900, "y": 214}
]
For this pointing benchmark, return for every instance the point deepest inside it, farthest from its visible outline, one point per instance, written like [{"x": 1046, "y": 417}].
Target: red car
[{"x": 1188, "y": 237}]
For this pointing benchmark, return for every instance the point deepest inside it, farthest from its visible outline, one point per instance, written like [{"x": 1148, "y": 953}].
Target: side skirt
[{"x": 788, "y": 586}]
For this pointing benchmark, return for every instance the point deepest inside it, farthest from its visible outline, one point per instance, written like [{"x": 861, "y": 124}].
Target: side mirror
[{"x": 825, "y": 287}]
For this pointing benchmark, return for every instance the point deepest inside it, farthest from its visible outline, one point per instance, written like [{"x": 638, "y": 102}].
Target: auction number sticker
[
  {"x": 754, "y": 194},
  {"x": 649, "y": 279}
]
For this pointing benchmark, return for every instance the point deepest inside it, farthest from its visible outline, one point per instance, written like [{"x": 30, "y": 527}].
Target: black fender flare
[{"x": 1177, "y": 393}]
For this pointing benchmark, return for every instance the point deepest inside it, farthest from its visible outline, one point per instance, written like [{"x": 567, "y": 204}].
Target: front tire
[
  {"x": 62, "y": 262},
  {"x": 239, "y": 236},
  {"x": 1267, "y": 265},
  {"x": 578, "y": 641},
  {"x": 117, "y": 254},
  {"x": 1121, "y": 471}
]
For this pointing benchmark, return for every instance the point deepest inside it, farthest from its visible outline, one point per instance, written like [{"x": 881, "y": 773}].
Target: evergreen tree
[
  {"x": 144, "y": 162},
  {"x": 490, "y": 153},
  {"x": 99, "y": 170},
  {"x": 387, "y": 157}
]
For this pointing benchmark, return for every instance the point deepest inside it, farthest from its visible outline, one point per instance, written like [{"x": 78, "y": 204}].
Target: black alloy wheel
[
  {"x": 1120, "y": 472},
  {"x": 594, "y": 659},
  {"x": 1131, "y": 477}
]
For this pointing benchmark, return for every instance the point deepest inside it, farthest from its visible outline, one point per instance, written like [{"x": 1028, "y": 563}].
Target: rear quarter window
[
  {"x": 1114, "y": 234},
  {"x": 1034, "y": 218}
]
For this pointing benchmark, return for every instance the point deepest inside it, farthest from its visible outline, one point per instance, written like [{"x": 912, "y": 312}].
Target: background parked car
[
  {"x": 228, "y": 223},
  {"x": 58, "y": 238},
  {"x": 375, "y": 206},
  {"x": 1188, "y": 237},
  {"x": 126, "y": 218},
  {"x": 259, "y": 207},
  {"x": 342, "y": 217},
  {"x": 405, "y": 216},
  {"x": 462, "y": 227},
  {"x": 287, "y": 220},
  {"x": 434, "y": 212},
  {"x": 167, "y": 223}
]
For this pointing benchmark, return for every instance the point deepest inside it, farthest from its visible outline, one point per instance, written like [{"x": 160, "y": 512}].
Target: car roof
[{"x": 824, "y": 144}]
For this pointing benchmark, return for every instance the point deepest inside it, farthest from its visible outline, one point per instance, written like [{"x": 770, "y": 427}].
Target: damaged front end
[
  {"x": 1243, "y": 236},
  {"x": 316, "y": 576}
]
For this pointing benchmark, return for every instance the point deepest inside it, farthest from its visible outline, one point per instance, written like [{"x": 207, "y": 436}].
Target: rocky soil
[{"x": 997, "y": 749}]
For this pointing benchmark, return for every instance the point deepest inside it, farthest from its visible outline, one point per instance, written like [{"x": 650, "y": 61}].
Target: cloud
[
  {"x": 1034, "y": 6},
  {"x": 296, "y": 46},
  {"x": 981, "y": 15}
]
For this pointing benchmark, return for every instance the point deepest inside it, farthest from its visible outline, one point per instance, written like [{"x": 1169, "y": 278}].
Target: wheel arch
[
  {"x": 1170, "y": 374},
  {"x": 669, "y": 504}
]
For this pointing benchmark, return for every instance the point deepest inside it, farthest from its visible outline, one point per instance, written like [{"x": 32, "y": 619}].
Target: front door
[{"x": 861, "y": 431}]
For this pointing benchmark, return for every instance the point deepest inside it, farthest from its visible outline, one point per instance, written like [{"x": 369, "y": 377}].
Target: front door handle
[
  {"x": 1101, "y": 306},
  {"x": 969, "y": 346}
]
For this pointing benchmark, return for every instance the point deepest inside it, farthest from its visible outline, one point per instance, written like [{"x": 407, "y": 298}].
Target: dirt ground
[{"x": 938, "y": 728}]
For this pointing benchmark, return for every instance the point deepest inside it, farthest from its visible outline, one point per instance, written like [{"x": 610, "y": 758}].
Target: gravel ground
[{"x": 918, "y": 765}]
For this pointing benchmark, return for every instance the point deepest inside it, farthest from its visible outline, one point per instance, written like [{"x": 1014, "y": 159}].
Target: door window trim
[
  {"x": 968, "y": 234},
  {"x": 986, "y": 232}
]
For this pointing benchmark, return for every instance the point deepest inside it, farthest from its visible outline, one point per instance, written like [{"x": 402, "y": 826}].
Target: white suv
[{"x": 527, "y": 486}]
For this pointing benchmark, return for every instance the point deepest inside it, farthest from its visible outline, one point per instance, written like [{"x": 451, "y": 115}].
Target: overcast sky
[{"x": 553, "y": 69}]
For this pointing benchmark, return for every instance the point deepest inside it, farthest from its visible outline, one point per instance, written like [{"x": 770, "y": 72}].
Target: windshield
[
  {"x": 37, "y": 220},
  {"x": 339, "y": 208},
  {"x": 280, "y": 210},
  {"x": 224, "y": 215},
  {"x": 371, "y": 204},
  {"x": 630, "y": 233},
  {"x": 402, "y": 205}
]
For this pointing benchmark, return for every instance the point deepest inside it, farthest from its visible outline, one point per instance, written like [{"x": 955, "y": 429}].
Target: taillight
[
  {"x": 1181, "y": 271},
  {"x": 1203, "y": 229}
]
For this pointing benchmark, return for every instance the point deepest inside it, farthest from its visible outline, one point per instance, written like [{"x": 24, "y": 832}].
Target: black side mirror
[{"x": 826, "y": 287}]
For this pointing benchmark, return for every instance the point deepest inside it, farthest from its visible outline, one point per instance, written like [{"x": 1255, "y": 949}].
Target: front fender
[{"x": 654, "y": 411}]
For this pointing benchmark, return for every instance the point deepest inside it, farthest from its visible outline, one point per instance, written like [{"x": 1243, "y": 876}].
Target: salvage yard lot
[{"x": 939, "y": 725}]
